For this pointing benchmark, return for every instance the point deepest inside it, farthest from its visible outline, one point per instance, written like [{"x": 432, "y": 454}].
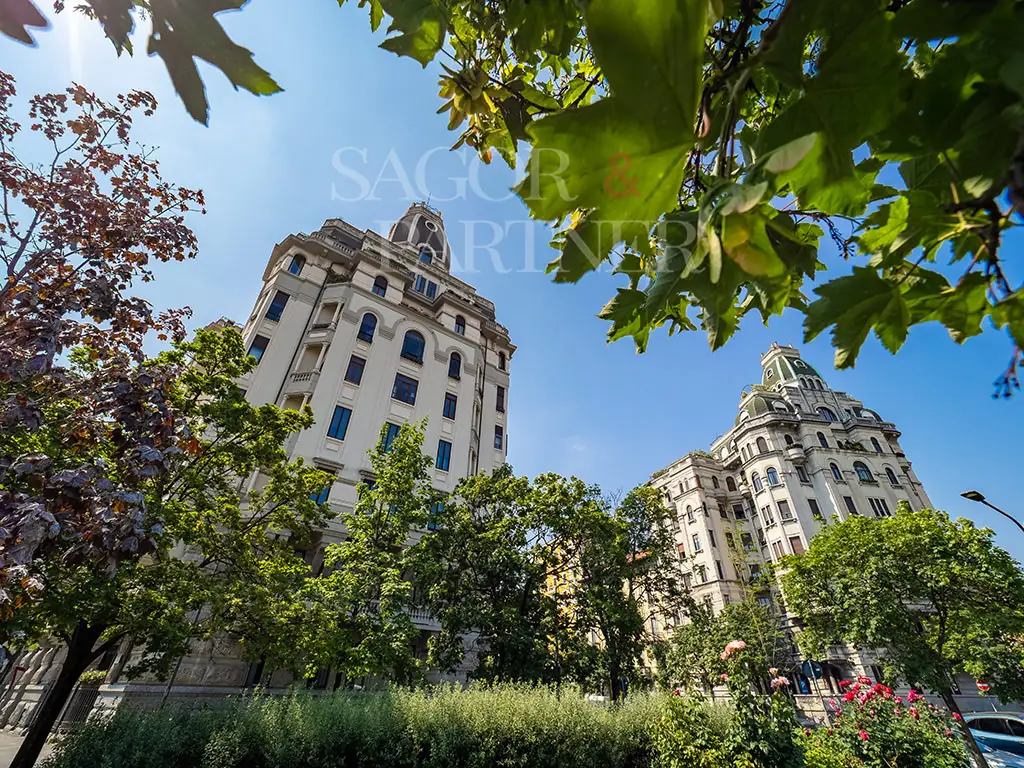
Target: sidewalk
[{"x": 9, "y": 743}]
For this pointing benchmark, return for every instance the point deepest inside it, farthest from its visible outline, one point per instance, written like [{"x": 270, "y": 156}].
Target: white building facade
[
  {"x": 371, "y": 332},
  {"x": 799, "y": 453}
]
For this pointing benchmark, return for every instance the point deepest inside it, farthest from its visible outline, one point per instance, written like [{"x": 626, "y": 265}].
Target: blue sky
[{"x": 577, "y": 405}]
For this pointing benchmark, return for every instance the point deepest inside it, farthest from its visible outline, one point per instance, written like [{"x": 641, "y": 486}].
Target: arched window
[
  {"x": 730, "y": 484},
  {"x": 820, "y": 385},
  {"x": 877, "y": 445},
  {"x": 460, "y": 325},
  {"x": 892, "y": 476},
  {"x": 412, "y": 346},
  {"x": 826, "y": 414},
  {"x": 772, "y": 475},
  {"x": 297, "y": 263},
  {"x": 743, "y": 452},
  {"x": 788, "y": 439},
  {"x": 426, "y": 255},
  {"x": 756, "y": 480},
  {"x": 863, "y": 473},
  {"x": 803, "y": 383},
  {"x": 367, "y": 327},
  {"x": 762, "y": 445},
  {"x": 822, "y": 441},
  {"x": 714, "y": 482},
  {"x": 836, "y": 473},
  {"x": 455, "y": 366},
  {"x": 380, "y": 285},
  {"x": 501, "y": 361}
]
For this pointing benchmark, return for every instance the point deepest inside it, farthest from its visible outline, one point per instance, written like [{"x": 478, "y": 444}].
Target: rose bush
[{"x": 871, "y": 726}]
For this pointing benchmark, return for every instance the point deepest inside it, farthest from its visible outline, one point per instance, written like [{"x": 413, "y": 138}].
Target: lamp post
[{"x": 980, "y": 498}]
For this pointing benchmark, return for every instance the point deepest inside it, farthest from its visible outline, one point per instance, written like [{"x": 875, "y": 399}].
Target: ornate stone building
[
  {"x": 799, "y": 453},
  {"x": 371, "y": 332}
]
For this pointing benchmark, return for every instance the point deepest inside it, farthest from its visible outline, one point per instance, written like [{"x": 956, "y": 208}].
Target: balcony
[
  {"x": 302, "y": 383},
  {"x": 795, "y": 452}
]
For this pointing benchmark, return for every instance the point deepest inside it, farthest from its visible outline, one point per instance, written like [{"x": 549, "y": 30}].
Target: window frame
[
  {"x": 274, "y": 310},
  {"x": 367, "y": 328},
  {"x": 864, "y": 473},
  {"x": 409, "y": 386},
  {"x": 455, "y": 361},
  {"x": 499, "y": 437},
  {"x": 339, "y": 422},
  {"x": 499, "y": 399},
  {"x": 413, "y": 353},
  {"x": 771, "y": 473},
  {"x": 297, "y": 258},
  {"x": 450, "y": 399},
  {"x": 380, "y": 286},
  {"x": 262, "y": 350},
  {"x": 460, "y": 325},
  {"x": 444, "y": 455},
  {"x": 390, "y": 431},
  {"x": 355, "y": 369},
  {"x": 837, "y": 473},
  {"x": 502, "y": 361}
]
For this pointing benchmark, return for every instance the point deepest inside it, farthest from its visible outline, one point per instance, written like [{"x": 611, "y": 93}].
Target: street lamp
[{"x": 980, "y": 498}]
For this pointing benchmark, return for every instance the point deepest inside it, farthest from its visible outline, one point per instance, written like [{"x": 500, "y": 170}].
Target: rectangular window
[
  {"x": 850, "y": 506},
  {"x": 699, "y": 483},
  {"x": 389, "y": 435},
  {"x": 704, "y": 507},
  {"x": 500, "y": 401},
  {"x": 405, "y": 389},
  {"x": 815, "y": 509},
  {"x": 761, "y": 539},
  {"x": 711, "y": 539},
  {"x": 356, "y": 366},
  {"x": 421, "y": 284},
  {"x": 258, "y": 347},
  {"x": 696, "y": 543},
  {"x": 767, "y": 516},
  {"x": 730, "y": 540},
  {"x": 777, "y": 549},
  {"x": 755, "y": 571},
  {"x": 880, "y": 507},
  {"x": 499, "y": 437},
  {"x": 339, "y": 423},
  {"x": 784, "y": 511},
  {"x": 431, "y": 289},
  {"x": 703, "y": 574},
  {"x": 444, "y": 455},
  {"x": 720, "y": 569},
  {"x": 689, "y": 514},
  {"x": 277, "y": 306},
  {"x": 435, "y": 513},
  {"x": 723, "y": 512},
  {"x": 450, "y": 403},
  {"x": 747, "y": 541},
  {"x": 796, "y": 544},
  {"x": 321, "y": 498},
  {"x": 738, "y": 511},
  {"x": 802, "y": 474}
]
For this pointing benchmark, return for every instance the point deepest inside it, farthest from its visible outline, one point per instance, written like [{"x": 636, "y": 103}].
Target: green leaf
[
  {"x": 623, "y": 157},
  {"x": 853, "y": 94},
  {"x": 854, "y": 305},
  {"x": 184, "y": 30},
  {"x": 961, "y": 308},
  {"x": 746, "y": 242},
  {"x": 1010, "y": 312},
  {"x": 883, "y": 228},
  {"x": 16, "y": 16},
  {"x": 788, "y": 156},
  {"x": 740, "y": 198},
  {"x": 422, "y": 24}
]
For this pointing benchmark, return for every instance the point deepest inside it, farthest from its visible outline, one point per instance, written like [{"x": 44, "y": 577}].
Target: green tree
[
  {"x": 692, "y": 657},
  {"x": 485, "y": 583},
  {"x": 934, "y": 595},
  {"x": 366, "y": 598},
  {"x": 703, "y": 149},
  {"x": 219, "y": 564}
]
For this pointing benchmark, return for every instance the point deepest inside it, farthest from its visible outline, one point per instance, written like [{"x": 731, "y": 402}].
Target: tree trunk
[
  {"x": 972, "y": 746},
  {"x": 79, "y": 655}
]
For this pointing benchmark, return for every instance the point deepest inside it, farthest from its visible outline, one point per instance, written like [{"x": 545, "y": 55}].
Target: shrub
[
  {"x": 873, "y": 727},
  {"x": 483, "y": 727}
]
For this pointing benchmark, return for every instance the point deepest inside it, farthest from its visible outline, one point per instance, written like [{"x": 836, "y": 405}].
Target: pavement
[{"x": 9, "y": 743}]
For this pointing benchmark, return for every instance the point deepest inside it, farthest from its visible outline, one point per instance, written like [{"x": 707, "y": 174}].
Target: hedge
[{"x": 482, "y": 727}]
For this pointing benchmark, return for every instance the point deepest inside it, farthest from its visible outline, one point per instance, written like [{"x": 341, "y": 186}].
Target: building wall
[{"x": 782, "y": 432}]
